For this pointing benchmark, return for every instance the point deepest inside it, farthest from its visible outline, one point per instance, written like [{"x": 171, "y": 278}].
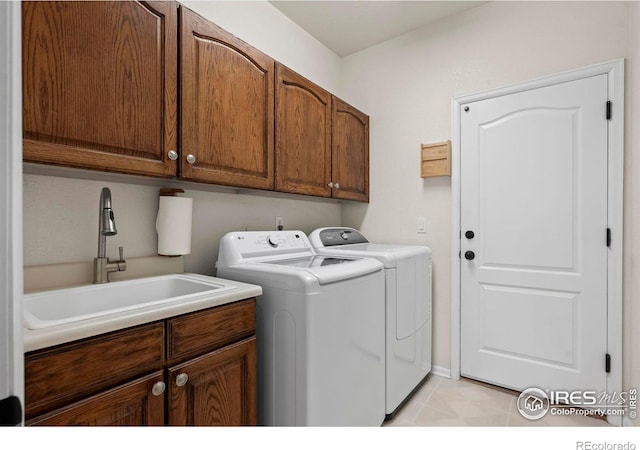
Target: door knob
[
  {"x": 191, "y": 159},
  {"x": 173, "y": 155},
  {"x": 469, "y": 255},
  {"x": 469, "y": 234}
]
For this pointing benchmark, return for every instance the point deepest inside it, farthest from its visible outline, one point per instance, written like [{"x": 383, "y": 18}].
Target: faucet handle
[{"x": 121, "y": 251}]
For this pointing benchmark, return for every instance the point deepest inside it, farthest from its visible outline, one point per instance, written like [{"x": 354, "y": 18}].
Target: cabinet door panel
[
  {"x": 303, "y": 135},
  {"x": 227, "y": 107},
  {"x": 132, "y": 404},
  {"x": 221, "y": 388},
  {"x": 100, "y": 85},
  {"x": 350, "y": 156}
]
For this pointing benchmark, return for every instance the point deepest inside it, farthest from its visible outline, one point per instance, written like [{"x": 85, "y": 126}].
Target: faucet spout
[
  {"x": 106, "y": 224},
  {"x": 106, "y": 227}
]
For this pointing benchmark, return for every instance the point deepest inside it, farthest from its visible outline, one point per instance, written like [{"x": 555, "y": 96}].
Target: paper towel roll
[{"x": 174, "y": 225}]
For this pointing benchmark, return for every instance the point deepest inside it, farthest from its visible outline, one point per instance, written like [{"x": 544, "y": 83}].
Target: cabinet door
[
  {"x": 218, "y": 388},
  {"x": 303, "y": 135},
  {"x": 130, "y": 404},
  {"x": 350, "y": 152},
  {"x": 227, "y": 107},
  {"x": 100, "y": 85}
]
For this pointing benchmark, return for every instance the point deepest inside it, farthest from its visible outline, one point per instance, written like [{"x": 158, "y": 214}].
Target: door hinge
[
  {"x": 609, "y": 110},
  {"x": 608, "y": 237},
  {"x": 607, "y": 363}
]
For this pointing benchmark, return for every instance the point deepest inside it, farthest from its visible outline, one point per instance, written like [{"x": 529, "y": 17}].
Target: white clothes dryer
[
  {"x": 408, "y": 306},
  {"x": 320, "y": 329}
]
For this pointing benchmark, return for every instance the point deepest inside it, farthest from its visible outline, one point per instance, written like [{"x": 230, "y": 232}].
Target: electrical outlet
[
  {"x": 422, "y": 225},
  {"x": 279, "y": 223}
]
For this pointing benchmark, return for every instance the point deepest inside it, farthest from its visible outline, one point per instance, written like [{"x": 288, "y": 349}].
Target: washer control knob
[{"x": 271, "y": 242}]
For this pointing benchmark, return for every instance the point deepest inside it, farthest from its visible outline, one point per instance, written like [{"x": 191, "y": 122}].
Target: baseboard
[{"x": 441, "y": 371}]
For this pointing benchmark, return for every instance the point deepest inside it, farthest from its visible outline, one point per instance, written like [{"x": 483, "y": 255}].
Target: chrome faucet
[{"x": 102, "y": 266}]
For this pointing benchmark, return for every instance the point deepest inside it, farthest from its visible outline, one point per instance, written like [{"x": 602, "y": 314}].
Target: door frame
[
  {"x": 11, "y": 253},
  {"x": 615, "y": 71}
]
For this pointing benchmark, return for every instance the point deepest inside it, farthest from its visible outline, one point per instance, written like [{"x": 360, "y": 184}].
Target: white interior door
[{"x": 534, "y": 193}]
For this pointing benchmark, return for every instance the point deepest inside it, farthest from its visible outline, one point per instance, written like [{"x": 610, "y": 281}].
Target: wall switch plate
[
  {"x": 422, "y": 225},
  {"x": 279, "y": 223}
]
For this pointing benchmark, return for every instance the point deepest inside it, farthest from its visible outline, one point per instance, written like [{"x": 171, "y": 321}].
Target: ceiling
[{"x": 346, "y": 27}]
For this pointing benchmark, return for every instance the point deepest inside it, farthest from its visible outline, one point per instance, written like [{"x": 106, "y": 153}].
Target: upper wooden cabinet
[
  {"x": 350, "y": 152},
  {"x": 100, "y": 85},
  {"x": 322, "y": 143},
  {"x": 227, "y": 107},
  {"x": 303, "y": 135}
]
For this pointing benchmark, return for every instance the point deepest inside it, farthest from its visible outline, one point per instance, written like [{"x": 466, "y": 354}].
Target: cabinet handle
[
  {"x": 337, "y": 185},
  {"x": 182, "y": 379},
  {"x": 191, "y": 159},
  {"x": 158, "y": 388},
  {"x": 173, "y": 155},
  {"x": 330, "y": 184}
]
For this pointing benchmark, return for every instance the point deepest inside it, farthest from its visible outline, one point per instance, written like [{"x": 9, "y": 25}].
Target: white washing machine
[
  {"x": 408, "y": 306},
  {"x": 320, "y": 329}
]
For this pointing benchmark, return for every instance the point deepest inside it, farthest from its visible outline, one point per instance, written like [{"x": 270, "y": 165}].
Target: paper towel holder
[{"x": 170, "y": 192}]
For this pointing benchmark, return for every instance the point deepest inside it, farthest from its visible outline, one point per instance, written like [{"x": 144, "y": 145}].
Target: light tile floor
[{"x": 442, "y": 402}]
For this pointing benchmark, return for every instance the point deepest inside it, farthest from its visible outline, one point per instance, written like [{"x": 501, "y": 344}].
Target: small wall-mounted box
[{"x": 435, "y": 160}]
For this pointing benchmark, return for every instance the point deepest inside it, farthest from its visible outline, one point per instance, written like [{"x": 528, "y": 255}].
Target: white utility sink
[{"x": 64, "y": 306}]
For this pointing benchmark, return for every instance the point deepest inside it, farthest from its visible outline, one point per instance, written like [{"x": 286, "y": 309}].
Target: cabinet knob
[
  {"x": 330, "y": 184},
  {"x": 182, "y": 379},
  {"x": 158, "y": 388},
  {"x": 173, "y": 155},
  {"x": 191, "y": 159},
  {"x": 337, "y": 185}
]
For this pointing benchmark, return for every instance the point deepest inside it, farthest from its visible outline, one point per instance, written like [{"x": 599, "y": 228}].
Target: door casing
[
  {"x": 11, "y": 272},
  {"x": 615, "y": 71}
]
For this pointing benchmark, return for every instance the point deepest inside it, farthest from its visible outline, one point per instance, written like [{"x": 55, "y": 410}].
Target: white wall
[
  {"x": 406, "y": 85},
  {"x": 60, "y": 214}
]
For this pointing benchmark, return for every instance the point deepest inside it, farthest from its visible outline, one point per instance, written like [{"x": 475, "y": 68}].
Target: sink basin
[{"x": 63, "y": 306}]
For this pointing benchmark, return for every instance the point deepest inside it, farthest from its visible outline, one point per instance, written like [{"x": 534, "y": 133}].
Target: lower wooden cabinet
[
  {"x": 216, "y": 389},
  {"x": 194, "y": 369}
]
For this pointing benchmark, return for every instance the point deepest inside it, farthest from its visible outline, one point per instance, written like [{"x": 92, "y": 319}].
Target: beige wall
[
  {"x": 60, "y": 214},
  {"x": 406, "y": 85}
]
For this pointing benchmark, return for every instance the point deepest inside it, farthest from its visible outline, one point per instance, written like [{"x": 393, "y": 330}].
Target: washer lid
[{"x": 327, "y": 269}]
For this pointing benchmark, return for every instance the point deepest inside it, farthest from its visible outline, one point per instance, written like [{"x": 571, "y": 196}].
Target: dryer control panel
[{"x": 341, "y": 236}]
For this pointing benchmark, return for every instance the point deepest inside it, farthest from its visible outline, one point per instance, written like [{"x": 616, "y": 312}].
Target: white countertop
[{"x": 48, "y": 337}]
